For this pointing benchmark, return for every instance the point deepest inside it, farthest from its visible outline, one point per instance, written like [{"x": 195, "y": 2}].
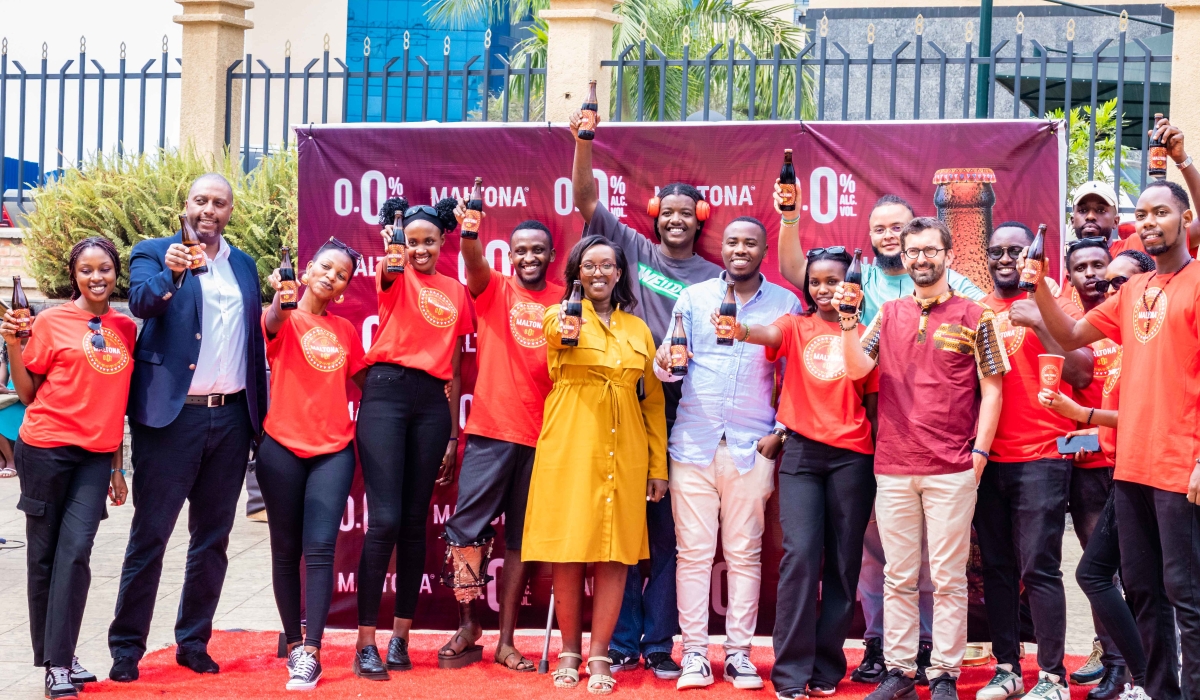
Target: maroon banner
[{"x": 991, "y": 171}]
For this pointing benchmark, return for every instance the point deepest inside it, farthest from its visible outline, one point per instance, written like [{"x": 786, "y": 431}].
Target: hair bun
[
  {"x": 445, "y": 209},
  {"x": 387, "y": 212}
]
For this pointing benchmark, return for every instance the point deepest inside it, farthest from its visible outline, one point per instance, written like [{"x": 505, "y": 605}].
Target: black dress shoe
[
  {"x": 1111, "y": 684},
  {"x": 367, "y": 664},
  {"x": 398, "y": 655},
  {"x": 124, "y": 669},
  {"x": 198, "y": 661},
  {"x": 58, "y": 683}
]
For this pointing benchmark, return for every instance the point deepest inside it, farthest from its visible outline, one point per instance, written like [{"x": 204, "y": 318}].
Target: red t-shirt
[
  {"x": 1108, "y": 436},
  {"x": 312, "y": 359},
  {"x": 82, "y": 402},
  {"x": 1027, "y": 430},
  {"x": 1133, "y": 242},
  {"x": 420, "y": 319},
  {"x": 1106, "y": 367},
  {"x": 1154, "y": 317},
  {"x": 818, "y": 400},
  {"x": 512, "y": 384}
]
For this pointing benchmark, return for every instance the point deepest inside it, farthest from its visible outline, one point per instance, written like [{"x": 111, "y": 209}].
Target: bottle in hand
[
  {"x": 396, "y": 252},
  {"x": 1035, "y": 262},
  {"x": 727, "y": 317},
  {"x": 573, "y": 315},
  {"x": 288, "y": 291},
  {"x": 587, "y": 121},
  {"x": 191, "y": 239},
  {"x": 852, "y": 286},
  {"x": 1157, "y": 162},
  {"x": 21, "y": 310},
  {"x": 474, "y": 213},
  {"x": 679, "y": 347},
  {"x": 787, "y": 183}
]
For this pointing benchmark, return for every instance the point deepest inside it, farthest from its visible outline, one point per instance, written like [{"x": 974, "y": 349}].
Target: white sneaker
[
  {"x": 1049, "y": 687},
  {"x": 1005, "y": 684},
  {"x": 741, "y": 673},
  {"x": 1133, "y": 692},
  {"x": 303, "y": 670},
  {"x": 697, "y": 673}
]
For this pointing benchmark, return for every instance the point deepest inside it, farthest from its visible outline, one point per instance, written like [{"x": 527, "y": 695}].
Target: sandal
[
  {"x": 523, "y": 665},
  {"x": 7, "y": 472},
  {"x": 600, "y": 683},
  {"x": 567, "y": 677},
  {"x": 449, "y": 658}
]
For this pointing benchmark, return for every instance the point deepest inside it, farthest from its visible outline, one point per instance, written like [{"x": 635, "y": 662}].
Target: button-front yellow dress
[{"x": 599, "y": 444}]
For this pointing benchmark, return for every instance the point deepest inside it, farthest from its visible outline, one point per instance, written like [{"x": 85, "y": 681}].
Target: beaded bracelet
[{"x": 789, "y": 222}]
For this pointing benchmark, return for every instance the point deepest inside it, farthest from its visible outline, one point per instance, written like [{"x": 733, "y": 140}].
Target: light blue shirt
[
  {"x": 727, "y": 390},
  {"x": 879, "y": 288}
]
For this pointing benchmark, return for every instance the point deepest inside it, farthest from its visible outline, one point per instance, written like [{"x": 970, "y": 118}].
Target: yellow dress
[{"x": 598, "y": 446}]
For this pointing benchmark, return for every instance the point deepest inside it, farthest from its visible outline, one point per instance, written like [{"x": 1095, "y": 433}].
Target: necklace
[{"x": 1161, "y": 291}]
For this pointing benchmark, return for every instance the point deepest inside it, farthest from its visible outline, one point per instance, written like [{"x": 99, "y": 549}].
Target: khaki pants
[{"x": 942, "y": 506}]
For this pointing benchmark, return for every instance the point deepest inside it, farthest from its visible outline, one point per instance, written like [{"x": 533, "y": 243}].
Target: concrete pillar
[
  {"x": 213, "y": 38},
  {"x": 1185, "y": 76},
  {"x": 581, "y": 33}
]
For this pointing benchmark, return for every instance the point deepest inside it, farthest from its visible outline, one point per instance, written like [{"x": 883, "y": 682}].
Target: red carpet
[{"x": 249, "y": 669}]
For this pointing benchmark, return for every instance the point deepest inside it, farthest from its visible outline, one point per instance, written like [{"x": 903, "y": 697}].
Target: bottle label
[
  {"x": 851, "y": 294},
  {"x": 787, "y": 195},
  {"x": 287, "y": 292},
  {"x": 1158, "y": 158},
  {"x": 587, "y": 120},
  {"x": 395, "y": 256},
  {"x": 470, "y": 223},
  {"x": 679, "y": 356},
  {"x": 570, "y": 327},
  {"x": 197, "y": 257},
  {"x": 24, "y": 319},
  {"x": 1032, "y": 272},
  {"x": 726, "y": 326}
]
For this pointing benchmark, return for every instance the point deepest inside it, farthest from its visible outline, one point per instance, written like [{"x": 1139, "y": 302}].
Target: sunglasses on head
[
  {"x": 94, "y": 326},
  {"x": 832, "y": 250},
  {"x": 1115, "y": 283},
  {"x": 412, "y": 211},
  {"x": 1090, "y": 241}
]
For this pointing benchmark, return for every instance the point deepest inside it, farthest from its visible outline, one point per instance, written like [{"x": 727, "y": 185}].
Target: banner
[{"x": 991, "y": 171}]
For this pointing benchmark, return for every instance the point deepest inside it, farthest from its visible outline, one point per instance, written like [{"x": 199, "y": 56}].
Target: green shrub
[{"x": 137, "y": 197}]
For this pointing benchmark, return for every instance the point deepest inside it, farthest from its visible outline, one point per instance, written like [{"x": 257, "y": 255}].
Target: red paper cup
[{"x": 1050, "y": 371}]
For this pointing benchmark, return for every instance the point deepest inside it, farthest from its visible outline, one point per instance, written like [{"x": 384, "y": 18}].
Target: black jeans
[
  {"x": 494, "y": 479},
  {"x": 1096, "y": 575},
  {"x": 1160, "y": 548},
  {"x": 1020, "y": 518},
  {"x": 1090, "y": 491},
  {"x": 305, "y": 499},
  {"x": 62, "y": 496},
  {"x": 825, "y": 499},
  {"x": 403, "y": 430},
  {"x": 201, "y": 458}
]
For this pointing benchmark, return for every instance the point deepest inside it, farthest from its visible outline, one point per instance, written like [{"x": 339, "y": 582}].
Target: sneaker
[
  {"x": 79, "y": 674},
  {"x": 1049, "y": 687},
  {"x": 368, "y": 665},
  {"x": 977, "y": 655},
  {"x": 871, "y": 670},
  {"x": 1004, "y": 684},
  {"x": 620, "y": 661},
  {"x": 1092, "y": 669},
  {"x": 1134, "y": 692},
  {"x": 696, "y": 672},
  {"x": 1109, "y": 687},
  {"x": 790, "y": 695},
  {"x": 304, "y": 670},
  {"x": 58, "y": 683},
  {"x": 124, "y": 669},
  {"x": 664, "y": 667},
  {"x": 821, "y": 689},
  {"x": 924, "y": 661},
  {"x": 895, "y": 686},
  {"x": 741, "y": 673},
  {"x": 943, "y": 687}
]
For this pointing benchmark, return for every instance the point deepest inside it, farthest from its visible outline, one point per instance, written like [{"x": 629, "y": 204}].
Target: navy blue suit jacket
[{"x": 170, "y": 340}]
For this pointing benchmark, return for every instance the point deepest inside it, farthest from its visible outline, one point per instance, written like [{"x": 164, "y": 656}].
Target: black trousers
[
  {"x": 494, "y": 479},
  {"x": 62, "y": 496},
  {"x": 1090, "y": 492},
  {"x": 1020, "y": 518},
  {"x": 825, "y": 499},
  {"x": 200, "y": 457},
  {"x": 305, "y": 499},
  {"x": 403, "y": 430}
]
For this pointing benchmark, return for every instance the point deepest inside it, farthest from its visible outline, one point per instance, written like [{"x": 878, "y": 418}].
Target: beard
[
  {"x": 744, "y": 277},
  {"x": 1006, "y": 284},
  {"x": 888, "y": 263},
  {"x": 1157, "y": 250},
  {"x": 929, "y": 276}
]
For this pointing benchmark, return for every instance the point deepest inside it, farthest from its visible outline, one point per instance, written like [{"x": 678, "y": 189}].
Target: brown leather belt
[{"x": 213, "y": 400}]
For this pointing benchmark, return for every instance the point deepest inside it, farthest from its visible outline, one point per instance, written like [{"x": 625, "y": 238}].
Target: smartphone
[{"x": 1071, "y": 445}]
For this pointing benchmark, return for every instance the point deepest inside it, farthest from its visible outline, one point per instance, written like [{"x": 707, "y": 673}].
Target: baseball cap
[{"x": 1101, "y": 189}]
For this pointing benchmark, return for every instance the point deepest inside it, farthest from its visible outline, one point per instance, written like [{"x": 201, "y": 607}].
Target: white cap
[{"x": 1101, "y": 189}]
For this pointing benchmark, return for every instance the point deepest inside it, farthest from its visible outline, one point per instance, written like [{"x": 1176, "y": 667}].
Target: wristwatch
[{"x": 781, "y": 434}]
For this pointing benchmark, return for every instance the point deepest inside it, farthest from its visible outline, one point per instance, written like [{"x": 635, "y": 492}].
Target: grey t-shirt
[{"x": 657, "y": 279}]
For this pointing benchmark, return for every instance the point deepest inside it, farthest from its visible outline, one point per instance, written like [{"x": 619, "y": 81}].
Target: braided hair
[{"x": 91, "y": 242}]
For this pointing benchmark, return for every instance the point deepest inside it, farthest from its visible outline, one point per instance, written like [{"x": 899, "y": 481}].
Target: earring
[
  {"x": 341, "y": 298},
  {"x": 304, "y": 279}
]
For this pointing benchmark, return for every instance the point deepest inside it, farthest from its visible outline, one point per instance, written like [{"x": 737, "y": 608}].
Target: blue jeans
[{"x": 650, "y": 618}]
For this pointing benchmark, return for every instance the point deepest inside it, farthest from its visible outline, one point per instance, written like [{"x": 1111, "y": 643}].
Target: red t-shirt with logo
[
  {"x": 511, "y": 388},
  {"x": 1027, "y": 430},
  {"x": 818, "y": 400},
  {"x": 312, "y": 359},
  {"x": 82, "y": 401},
  {"x": 1155, "y": 319},
  {"x": 420, "y": 319},
  {"x": 1106, "y": 367}
]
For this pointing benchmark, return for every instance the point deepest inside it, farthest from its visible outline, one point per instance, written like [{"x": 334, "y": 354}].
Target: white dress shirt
[{"x": 221, "y": 368}]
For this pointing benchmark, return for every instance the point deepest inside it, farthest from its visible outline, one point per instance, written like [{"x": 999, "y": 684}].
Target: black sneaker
[
  {"x": 895, "y": 686},
  {"x": 124, "y": 669},
  {"x": 58, "y": 683},
  {"x": 367, "y": 664},
  {"x": 197, "y": 661},
  {"x": 620, "y": 661},
  {"x": 79, "y": 674},
  {"x": 398, "y": 655},
  {"x": 303, "y": 670},
  {"x": 924, "y": 661},
  {"x": 663, "y": 665},
  {"x": 871, "y": 670},
  {"x": 944, "y": 687}
]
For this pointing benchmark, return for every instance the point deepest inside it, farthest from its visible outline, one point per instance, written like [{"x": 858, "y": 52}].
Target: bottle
[
  {"x": 679, "y": 348},
  {"x": 287, "y": 280},
  {"x": 727, "y": 317},
  {"x": 852, "y": 286},
  {"x": 573, "y": 315},
  {"x": 396, "y": 250},
  {"x": 1157, "y": 163},
  {"x": 474, "y": 214},
  {"x": 20, "y": 309},
  {"x": 191, "y": 239},
  {"x": 964, "y": 199},
  {"x": 587, "y": 122},
  {"x": 787, "y": 182},
  {"x": 1035, "y": 262}
]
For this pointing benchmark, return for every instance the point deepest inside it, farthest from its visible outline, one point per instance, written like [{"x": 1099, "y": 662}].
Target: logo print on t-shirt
[
  {"x": 1106, "y": 366},
  {"x": 112, "y": 359},
  {"x": 1013, "y": 336},
  {"x": 525, "y": 323},
  {"x": 1149, "y": 311},
  {"x": 437, "y": 308},
  {"x": 323, "y": 350},
  {"x": 823, "y": 357}
]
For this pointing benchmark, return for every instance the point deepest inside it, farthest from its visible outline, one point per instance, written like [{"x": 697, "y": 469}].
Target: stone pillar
[
  {"x": 213, "y": 38},
  {"x": 581, "y": 33},
  {"x": 1185, "y": 76}
]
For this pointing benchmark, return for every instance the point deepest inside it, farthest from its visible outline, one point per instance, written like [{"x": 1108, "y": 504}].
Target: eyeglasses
[
  {"x": 832, "y": 250},
  {"x": 1090, "y": 241},
  {"x": 1115, "y": 283},
  {"x": 998, "y": 251},
  {"x": 590, "y": 268},
  {"x": 412, "y": 211},
  {"x": 929, "y": 252},
  {"x": 894, "y": 228},
  {"x": 97, "y": 336}
]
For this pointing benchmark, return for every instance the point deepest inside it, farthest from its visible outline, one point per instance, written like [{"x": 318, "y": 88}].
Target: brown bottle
[
  {"x": 679, "y": 347},
  {"x": 1035, "y": 262},
  {"x": 474, "y": 213},
  {"x": 787, "y": 182},
  {"x": 287, "y": 280},
  {"x": 21, "y": 310},
  {"x": 727, "y": 317},
  {"x": 573, "y": 315},
  {"x": 191, "y": 240},
  {"x": 1157, "y": 162},
  {"x": 397, "y": 251},
  {"x": 852, "y": 286},
  {"x": 587, "y": 121}
]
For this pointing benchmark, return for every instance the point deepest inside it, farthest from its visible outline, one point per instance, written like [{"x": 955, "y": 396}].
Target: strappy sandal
[
  {"x": 471, "y": 653},
  {"x": 523, "y": 664},
  {"x": 567, "y": 677},
  {"x": 600, "y": 683}
]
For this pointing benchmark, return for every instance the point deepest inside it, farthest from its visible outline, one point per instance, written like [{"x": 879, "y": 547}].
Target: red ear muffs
[{"x": 702, "y": 209}]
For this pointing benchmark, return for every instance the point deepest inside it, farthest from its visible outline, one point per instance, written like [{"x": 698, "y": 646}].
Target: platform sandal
[
  {"x": 600, "y": 683},
  {"x": 567, "y": 677}
]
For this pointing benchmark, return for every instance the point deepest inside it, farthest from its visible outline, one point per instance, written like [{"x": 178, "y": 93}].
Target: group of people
[{"x": 910, "y": 413}]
